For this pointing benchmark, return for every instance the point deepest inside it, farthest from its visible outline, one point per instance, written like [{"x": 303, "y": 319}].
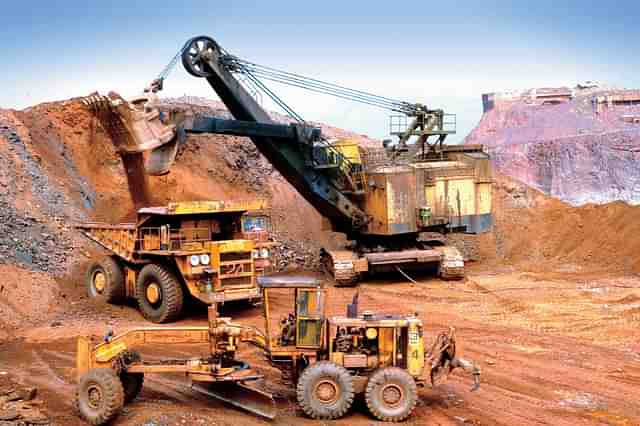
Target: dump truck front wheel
[
  {"x": 159, "y": 294},
  {"x": 391, "y": 394},
  {"x": 105, "y": 280},
  {"x": 325, "y": 391},
  {"x": 99, "y": 396}
]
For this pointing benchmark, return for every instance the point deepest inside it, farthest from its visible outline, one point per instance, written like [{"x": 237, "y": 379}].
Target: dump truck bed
[{"x": 119, "y": 239}]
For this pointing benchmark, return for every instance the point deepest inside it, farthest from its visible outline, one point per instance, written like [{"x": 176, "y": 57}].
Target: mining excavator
[
  {"x": 329, "y": 360},
  {"x": 395, "y": 203}
]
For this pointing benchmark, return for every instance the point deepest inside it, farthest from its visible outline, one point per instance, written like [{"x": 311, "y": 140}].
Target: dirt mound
[{"x": 537, "y": 231}]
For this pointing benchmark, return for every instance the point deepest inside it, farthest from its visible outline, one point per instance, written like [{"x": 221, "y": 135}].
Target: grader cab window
[{"x": 309, "y": 318}]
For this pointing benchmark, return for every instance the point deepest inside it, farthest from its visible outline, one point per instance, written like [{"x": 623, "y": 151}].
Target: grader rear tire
[
  {"x": 325, "y": 391},
  {"x": 159, "y": 294},
  {"x": 391, "y": 394},
  {"x": 99, "y": 396},
  {"x": 105, "y": 280}
]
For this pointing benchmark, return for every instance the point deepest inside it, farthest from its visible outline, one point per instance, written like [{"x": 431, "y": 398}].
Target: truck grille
[{"x": 235, "y": 255}]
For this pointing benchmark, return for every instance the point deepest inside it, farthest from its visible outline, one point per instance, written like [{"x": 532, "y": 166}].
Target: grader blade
[
  {"x": 241, "y": 396},
  {"x": 136, "y": 127}
]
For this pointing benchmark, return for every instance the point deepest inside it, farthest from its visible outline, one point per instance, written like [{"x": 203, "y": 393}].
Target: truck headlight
[
  {"x": 255, "y": 254},
  {"x": 205, "y": 259},
  {"x": 194, "y": 260},
  {"x": 264, "y": 253}
]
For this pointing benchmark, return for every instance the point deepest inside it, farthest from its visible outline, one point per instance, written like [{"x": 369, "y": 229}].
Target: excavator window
[{"x": 309, "y": 318}]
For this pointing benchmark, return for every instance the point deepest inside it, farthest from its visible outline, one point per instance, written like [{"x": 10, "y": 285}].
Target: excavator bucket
[
  {"x": 241, "y": 396},
  {"x": 137, "y": 126}
]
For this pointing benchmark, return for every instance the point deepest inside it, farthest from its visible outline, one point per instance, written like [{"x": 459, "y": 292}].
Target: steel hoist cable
[
  {"x": 172, "y": 63},
  {"x": 236, "y": 64}
]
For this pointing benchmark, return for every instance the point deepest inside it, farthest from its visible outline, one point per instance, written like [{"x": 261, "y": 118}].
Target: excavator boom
[{"x": 292, "y": 157}]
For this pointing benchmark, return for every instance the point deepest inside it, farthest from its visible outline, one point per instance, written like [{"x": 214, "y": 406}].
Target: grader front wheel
[
  {"x": 99, "y": 396},
  {"x": 391, "y": 394}
]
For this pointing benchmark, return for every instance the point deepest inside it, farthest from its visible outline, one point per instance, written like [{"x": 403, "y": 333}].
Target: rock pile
[
  {"x": 292, "y": 254},
  {"x": 26, "y": 239},
  {"x": 19, "y": 406},
  {"x": 570, "y": 151}
]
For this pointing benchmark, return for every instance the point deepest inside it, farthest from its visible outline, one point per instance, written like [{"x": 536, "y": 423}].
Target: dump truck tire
[
  {"x": 325, "y": 390},
  {"x": 99, "y": 396},
  {"x": 105, "y": 280},
  {"x": 391, "y": 394},
  {"x": 164, "y": 302},
  {"x": 131, "y": 384}
]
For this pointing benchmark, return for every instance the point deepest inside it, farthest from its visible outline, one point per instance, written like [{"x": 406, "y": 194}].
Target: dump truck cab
[
  {"x": 197, "y": 247},
  {"x": 258, "y": 227}
]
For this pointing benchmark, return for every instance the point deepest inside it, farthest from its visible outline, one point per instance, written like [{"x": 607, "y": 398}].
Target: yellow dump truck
[{"x": 194, "y": 247}]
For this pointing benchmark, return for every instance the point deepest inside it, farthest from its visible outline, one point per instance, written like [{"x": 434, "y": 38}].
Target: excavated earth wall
[{"x": 574, "y": 151}]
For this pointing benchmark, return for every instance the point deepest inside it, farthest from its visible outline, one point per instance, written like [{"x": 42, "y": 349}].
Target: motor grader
[
  {"x": 329, "y": 360},
  {"x": 202, "y": 248}
]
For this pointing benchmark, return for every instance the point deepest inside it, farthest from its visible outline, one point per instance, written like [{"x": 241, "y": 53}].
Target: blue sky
[{"x": 443, "y": 54}]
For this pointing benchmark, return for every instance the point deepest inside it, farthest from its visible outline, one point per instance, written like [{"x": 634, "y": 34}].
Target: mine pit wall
[{"x": 577, "y": 170}]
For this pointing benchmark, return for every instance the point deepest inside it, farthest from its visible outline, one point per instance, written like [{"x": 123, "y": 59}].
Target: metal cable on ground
[{"x": 405, "y": 275}]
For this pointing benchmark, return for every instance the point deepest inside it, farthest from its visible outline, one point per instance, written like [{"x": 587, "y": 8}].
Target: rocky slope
[{"x": 582, "y": 150}]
